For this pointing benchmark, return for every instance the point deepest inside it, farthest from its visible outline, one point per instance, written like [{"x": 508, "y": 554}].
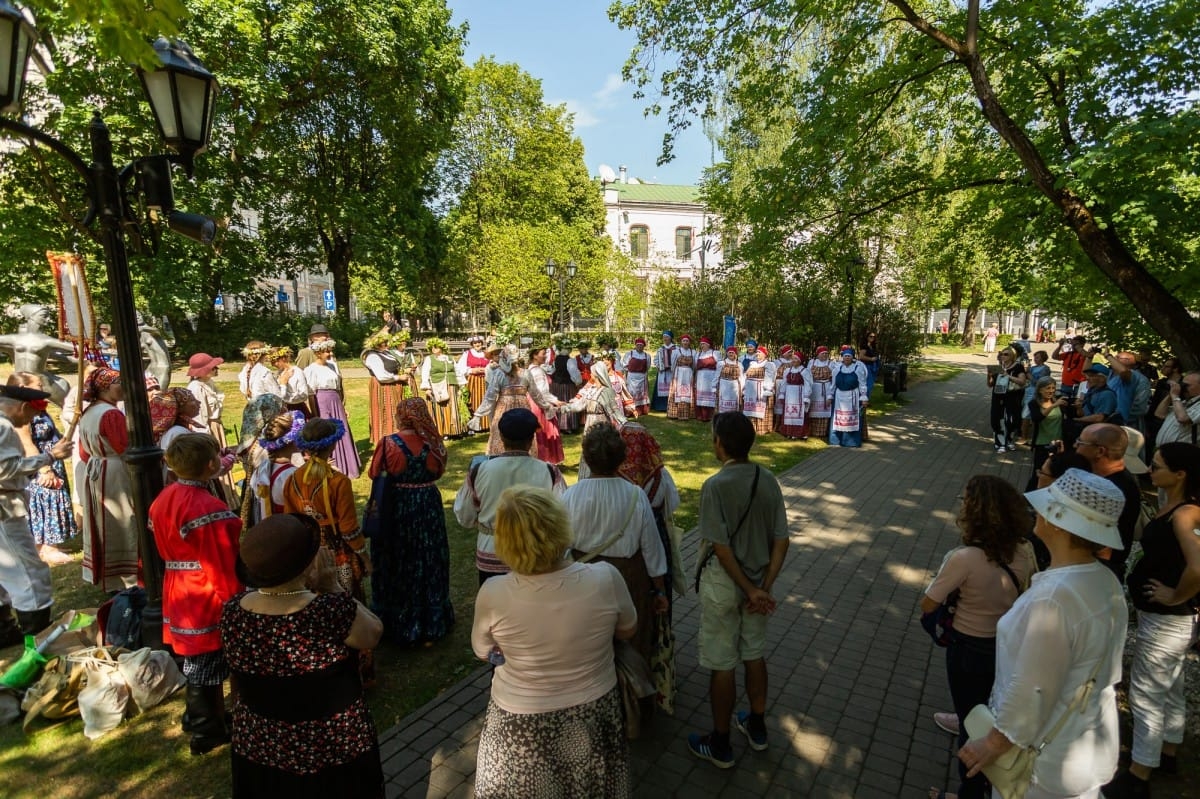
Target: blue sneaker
[
  {"x": 758, "y": 741},
  {"x": 701, "y": 746}
]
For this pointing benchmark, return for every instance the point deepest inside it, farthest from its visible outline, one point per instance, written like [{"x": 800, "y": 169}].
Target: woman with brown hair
[
  {"x": 410, "y": 589},
  {"x": 988, "y": 571}
]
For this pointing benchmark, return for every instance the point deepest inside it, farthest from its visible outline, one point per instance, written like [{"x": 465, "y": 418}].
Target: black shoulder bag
[{"x": 708, "y": 556}]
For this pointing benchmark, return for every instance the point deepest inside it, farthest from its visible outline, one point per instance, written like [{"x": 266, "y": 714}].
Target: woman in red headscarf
[
  {"x": 794, "y": 397},
  {"x": 405, "y": 521},
  {"x": 706, "y": 380},
  {"x": 110, "y": 545}
]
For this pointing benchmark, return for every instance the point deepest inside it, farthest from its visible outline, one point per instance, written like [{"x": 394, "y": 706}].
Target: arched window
[
  {"x": 683, "y": 243},
  {"x": 639, "y": 241}
]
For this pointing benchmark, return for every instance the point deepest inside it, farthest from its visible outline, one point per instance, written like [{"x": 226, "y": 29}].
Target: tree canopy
[{"x": 1067, "y": 130}]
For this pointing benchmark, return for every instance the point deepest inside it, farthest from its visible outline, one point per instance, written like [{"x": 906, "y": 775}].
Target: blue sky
[{"x": 577, "y": 54}]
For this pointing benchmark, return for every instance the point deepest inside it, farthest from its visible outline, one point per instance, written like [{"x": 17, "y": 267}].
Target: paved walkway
[{"x": 854, "y": 680}]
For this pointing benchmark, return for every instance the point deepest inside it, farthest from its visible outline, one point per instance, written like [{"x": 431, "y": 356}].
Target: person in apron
[{"x": 849, "y": 401}]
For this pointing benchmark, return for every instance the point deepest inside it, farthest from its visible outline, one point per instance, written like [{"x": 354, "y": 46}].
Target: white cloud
[
  {"x": 584, "y": 118},
  {"x": 607, "y": 96}
]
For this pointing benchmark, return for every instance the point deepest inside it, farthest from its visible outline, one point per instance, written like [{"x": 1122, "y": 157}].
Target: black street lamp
[
  {"x": 851, "y": 270},
  {"x": 552, "y": 271},
  {"x": 181, "y": 94}
]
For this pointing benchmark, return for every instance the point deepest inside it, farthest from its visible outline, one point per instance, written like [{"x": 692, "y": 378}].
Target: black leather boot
[
  {"x": 205, "y": 718},
  {"x": 10, "y": 631},
  {"x": 33, "y": 621}
]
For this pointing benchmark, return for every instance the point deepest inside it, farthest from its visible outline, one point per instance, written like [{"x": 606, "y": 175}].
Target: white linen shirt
[
  {"x": 320, "y": 376},
  {"x": 1046, "y": 648},
  {"x": 597, "y": 505}
]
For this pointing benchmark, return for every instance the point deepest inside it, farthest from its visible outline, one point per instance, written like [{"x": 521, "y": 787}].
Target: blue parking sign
[
  {"x": 329, "y": 300},
  {"x": 219, "y": 301}
]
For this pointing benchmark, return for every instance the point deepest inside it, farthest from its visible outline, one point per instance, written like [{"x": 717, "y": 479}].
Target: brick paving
[{"x": 854, "y": 681}]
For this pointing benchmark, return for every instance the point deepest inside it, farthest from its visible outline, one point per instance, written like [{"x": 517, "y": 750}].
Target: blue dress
[
  {"x": 410, "y": 553},
  {"x": 50, "y": 514}
]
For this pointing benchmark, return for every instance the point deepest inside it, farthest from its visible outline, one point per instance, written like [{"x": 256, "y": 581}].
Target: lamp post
[
  {"x": 563, "y": 273},
  {"x": 851, "y": 268},
  {"x": 181, "y": 93}
]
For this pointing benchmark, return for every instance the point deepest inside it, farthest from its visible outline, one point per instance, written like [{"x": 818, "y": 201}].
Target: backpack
[{"x": 121, "y": 618}]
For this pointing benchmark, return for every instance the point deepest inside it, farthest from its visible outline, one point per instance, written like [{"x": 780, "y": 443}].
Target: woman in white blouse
[
  {"x": 293, "y": 388},
  {"x": 612, "y": 521},
  {"x": 554, "y": 725},
  {"x": 1058, "y": 650},
  {"x": 325, "y": 382}
]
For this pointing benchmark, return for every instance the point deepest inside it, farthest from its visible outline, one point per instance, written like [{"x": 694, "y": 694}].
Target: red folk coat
[{"x": 197, "y": 536}]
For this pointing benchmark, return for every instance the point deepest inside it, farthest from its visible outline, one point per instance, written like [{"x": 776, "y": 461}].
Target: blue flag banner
[{"x": 730, "y": 333}]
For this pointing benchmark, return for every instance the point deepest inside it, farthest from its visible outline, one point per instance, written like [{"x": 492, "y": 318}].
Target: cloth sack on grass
[
  {"x": 105, "y": 699},
  {"x": 151, "y": 676}
]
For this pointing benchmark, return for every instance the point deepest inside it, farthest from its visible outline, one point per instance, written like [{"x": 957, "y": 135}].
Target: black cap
[
  {"x": 315, "y": 329},
  {"x": 23, "y": 394},
  {"x": 518, "y": 424}
]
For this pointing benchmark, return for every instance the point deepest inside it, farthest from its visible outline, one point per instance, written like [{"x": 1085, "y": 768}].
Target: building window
[
  {"x": 683, "y": 243},
  {"x": 639, "y": 241}
]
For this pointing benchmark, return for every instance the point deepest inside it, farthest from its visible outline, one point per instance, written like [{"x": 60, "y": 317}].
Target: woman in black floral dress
[
  {"x": 300, "y": 725},
  {"x": 410, "y": 586}
]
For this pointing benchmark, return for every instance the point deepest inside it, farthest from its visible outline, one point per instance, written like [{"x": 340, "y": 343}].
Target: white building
[{"x": 666, "y": 229}]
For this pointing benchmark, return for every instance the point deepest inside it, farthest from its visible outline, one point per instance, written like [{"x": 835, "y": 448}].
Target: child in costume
[
  {"x": 318, "y": 490},
  {"x": 197, "y": 536}
]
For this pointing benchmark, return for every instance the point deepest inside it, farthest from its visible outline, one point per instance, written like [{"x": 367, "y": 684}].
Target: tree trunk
[
  {"x": 956, "y": 293},
  {"x": 338, "y": 254},
  {"x": 976, "y": 302}
]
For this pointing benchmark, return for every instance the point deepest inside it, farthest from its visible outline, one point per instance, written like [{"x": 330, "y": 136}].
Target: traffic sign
[
  {"x": 219, "y": 301},
  {"x": 330, "y": 303}
]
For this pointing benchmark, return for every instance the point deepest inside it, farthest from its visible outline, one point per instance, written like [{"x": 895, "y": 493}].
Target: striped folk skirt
[
  {"x": 476, "y": 388},
  {"x": 577, "y": 751},
  {"x": 567, "y": 422},
  {"x": 384, "y": 400},
  {"x": 445, "y": 414}
]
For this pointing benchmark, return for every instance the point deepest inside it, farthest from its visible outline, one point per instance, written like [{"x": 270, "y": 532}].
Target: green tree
[
  {"x": 1076, "y": 115},
  {"x": 516, "y": 192}
]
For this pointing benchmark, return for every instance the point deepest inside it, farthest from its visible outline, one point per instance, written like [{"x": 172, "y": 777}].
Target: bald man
[{"x": 1105, "y": 448}]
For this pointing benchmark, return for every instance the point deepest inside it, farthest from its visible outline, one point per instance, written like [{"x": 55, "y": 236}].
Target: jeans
[
  {"x": 971, "y": 669},
  {"x": 1156, "y": 683}
]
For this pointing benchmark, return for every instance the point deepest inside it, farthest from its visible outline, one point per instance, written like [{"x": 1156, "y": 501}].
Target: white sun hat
[
  {"x": 1084, "y": 504},
  {"x": 1133, "y": 458}
]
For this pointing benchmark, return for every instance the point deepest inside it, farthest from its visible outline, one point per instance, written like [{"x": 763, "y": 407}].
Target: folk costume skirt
[
  {"x": 345, "y": 454},
  {"x": 384, "y": 399}
]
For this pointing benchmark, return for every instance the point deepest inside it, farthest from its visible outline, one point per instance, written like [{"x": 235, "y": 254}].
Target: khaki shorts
[{"x": 729, "y": 634}]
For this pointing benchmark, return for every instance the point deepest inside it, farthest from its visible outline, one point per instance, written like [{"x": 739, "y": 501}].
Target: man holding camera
[{"x": 1180, "y": 411}]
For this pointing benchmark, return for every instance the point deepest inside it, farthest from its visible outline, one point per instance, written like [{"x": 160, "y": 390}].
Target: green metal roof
[{"x": 658, "y": 193}]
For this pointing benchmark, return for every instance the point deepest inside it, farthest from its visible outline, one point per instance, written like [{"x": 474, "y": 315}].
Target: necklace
[{"x": 283, "y": 593}]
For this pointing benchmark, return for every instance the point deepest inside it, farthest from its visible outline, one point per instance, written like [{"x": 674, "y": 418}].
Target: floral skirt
[{"x": 577, "y": 751}]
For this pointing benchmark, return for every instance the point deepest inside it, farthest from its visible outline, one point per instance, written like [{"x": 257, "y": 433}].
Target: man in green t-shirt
[{"x": 743, "y": 524}]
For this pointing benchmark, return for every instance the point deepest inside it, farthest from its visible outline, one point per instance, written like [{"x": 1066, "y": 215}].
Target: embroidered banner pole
[{"x": 76, "y": 318}]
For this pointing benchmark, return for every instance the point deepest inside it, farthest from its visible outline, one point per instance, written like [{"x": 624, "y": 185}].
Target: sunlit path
[{"x": 854, "y": 680}]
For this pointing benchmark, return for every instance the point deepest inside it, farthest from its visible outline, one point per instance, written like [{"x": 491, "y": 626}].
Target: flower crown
[
  {"x": 339, "y": 430},
  {"x": 433, "y": 342},
  {"x": 321, "y": 346},
  {"x": 263, "y": 350},
  {"x": 276, "y": 444},
  {"x": 279, "y": 352}
]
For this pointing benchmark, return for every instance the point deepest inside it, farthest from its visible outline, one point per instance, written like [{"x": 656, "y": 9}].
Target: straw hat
[
  {"x": 1133, "y": 458},
  {"x": 1084, "y": 504}
]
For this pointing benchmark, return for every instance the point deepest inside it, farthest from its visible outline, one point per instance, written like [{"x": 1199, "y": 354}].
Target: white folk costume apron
[
  {"x": 683, "y": 392},
  {"x": 729, "y": 387},
  {"x": 793, "y": 399},
  {"x": 847, "y": 413},
  {"x": 637, "y": 367},
  {"x": 706, "y": 385},
  {"x": 822, "y": 396}
]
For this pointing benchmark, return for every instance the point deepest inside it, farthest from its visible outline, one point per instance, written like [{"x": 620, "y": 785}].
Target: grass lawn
[{"x": 148, "y": 755}]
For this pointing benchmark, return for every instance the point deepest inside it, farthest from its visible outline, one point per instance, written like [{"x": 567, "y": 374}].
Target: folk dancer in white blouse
[
  {"x": 682, "y": 402},
  {"x": 386, "y": 388},
  {"x": 636, "y": 366},
  {"x": 506, "y": 390},
  {"x": 254, "y": 352},
  {"x": 324, "y": 380},
  {"x": 821, "y": 372},
  {"x": 611, "y": 518},
  {"x": 664, "y": 361},
  {"x": 849, "y": 400},
  {"x": 201, "y": 368},
  {"x": 293, "y": 388},
  {"x": 781, "y": 363},
  {"x": 758, "y": 392},
  {"x": 707, "y": 369},
  {"x": 730, "y": 381},
  {"x": 795, "y": 397},
  {"x": 544, "y": 404}
]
